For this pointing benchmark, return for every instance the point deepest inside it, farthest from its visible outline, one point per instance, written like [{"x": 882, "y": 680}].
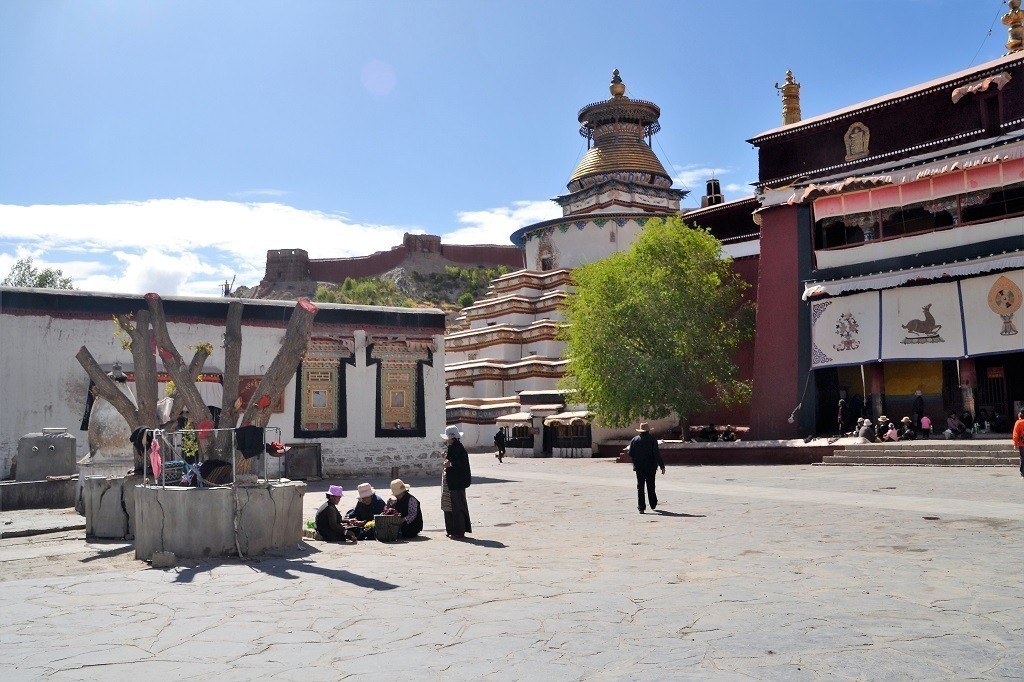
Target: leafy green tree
[
  {"x": 652, "y": 330},
  {"x": 26, "y": 274}
]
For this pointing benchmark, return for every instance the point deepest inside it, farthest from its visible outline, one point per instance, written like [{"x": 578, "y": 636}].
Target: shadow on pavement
[
  {"x": 494, "y": 544},
  {"x": 121, "y": 548},
  {"x": 287, "y": 569},
  {"x": 662, "y": 512}
]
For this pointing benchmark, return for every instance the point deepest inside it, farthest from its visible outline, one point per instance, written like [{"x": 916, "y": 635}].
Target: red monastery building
[{"x": 892, "y": 254}]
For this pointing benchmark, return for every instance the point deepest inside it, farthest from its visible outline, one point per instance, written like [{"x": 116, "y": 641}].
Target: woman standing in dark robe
[{"x": 458, "y": 476}]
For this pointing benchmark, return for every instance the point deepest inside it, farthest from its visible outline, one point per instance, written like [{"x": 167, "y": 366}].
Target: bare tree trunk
[
  {"x": 281, "y": 370},
  {"x": 107, "y": 389},
  {"x": 232, "y": 361},
  {"x": 184, "y": 382}
]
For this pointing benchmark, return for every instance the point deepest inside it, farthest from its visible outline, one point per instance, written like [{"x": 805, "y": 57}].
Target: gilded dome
[{"x": 618, "y": 132}]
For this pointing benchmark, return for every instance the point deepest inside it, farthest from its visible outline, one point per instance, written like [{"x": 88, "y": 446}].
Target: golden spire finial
[
  {"x": 790, "y": 99},
  {"x": 1014, "y": 21},
  {"x": 617, "y": 87}
]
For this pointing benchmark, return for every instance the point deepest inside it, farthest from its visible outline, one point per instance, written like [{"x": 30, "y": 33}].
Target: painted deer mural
[{"x": 925, "y": 326}]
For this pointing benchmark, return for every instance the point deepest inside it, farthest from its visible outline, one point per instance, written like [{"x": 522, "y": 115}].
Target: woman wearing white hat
[
  {"x": 408, "y": 508},
  {"x": 369, "y": 505},
  {"x": 459, "y": 477}
]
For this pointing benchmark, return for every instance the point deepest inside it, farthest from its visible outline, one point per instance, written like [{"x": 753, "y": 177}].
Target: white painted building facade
[{"x": 370, "y": 351}]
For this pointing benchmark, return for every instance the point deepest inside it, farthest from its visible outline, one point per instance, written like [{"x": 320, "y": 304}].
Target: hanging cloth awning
[
  {"x": 569, "y": 418},
  {"x": 517, "y": 418},
  {"x": 888, "y": 280}
]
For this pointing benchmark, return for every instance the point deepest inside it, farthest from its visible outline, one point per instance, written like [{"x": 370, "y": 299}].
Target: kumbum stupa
[{"x": 504, "y": 363}]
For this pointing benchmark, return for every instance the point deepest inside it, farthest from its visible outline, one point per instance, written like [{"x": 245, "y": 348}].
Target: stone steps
[
  {"x": 864, "y": 460},
  {"x": 926, "y": 453}
]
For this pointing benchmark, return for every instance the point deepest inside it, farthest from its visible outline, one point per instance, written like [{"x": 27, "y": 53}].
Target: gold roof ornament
[
  {"x": 617, "y": 87},
  {"x": 1014, "y": 21},
  {"x": 618, "y": 132},
  {"x": 790, "y": 99}
]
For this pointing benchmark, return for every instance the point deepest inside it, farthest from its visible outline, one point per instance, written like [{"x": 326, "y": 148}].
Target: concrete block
[
  {"x": 110, "y": 507},
  {"x": 200, "y": 522},
  {"x": 50, "y": 453},
  {"x": 164, "y": 560}
]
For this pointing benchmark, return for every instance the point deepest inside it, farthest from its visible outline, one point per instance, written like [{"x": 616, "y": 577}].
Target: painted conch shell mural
[{"x": 1004, "y": 298}]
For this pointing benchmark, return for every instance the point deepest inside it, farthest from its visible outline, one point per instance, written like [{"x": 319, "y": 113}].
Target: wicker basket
[{"x": 387, "y": 527}]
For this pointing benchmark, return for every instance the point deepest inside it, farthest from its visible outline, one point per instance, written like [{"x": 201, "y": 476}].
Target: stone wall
[
  {"x": 414, "y": 460},
  {"x": 200, "y": 522}
]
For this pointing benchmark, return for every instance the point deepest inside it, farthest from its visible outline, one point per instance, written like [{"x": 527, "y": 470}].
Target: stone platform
[{"x": 217, "y": 522}]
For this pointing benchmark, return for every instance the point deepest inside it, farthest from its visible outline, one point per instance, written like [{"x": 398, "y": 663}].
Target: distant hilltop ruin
[{"x": 292, "y": 273}]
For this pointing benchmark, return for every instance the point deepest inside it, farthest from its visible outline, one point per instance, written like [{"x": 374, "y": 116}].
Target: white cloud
[
  {"x": 693, "y": 176},
  {"x": 190, "y": 246},
  {"x": 495, "y": 225},
  {"x": 176, "y": 246}
]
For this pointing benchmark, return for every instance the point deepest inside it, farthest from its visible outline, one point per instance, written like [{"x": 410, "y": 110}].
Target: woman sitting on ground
[
  {"x": 360, "y": 517},
  {"x": 954, "y": 427},
  {"x": 329, "y": 523},
  {"x": 890, "y": 434},
  {"x": 409, "y": 508},
  {"x": 906, "y": 431}
]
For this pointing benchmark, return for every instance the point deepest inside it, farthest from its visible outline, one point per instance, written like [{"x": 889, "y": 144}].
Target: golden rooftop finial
[
  {"x": 617, "y": 88},
  {"x": 790, "y": 99},
  {"x": 1014, "y": 20}
]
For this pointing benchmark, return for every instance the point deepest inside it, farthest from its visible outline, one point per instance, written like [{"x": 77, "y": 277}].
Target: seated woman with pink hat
[
  {"x": 360, "y": 517},
  {"x": 329, "y": 523}
]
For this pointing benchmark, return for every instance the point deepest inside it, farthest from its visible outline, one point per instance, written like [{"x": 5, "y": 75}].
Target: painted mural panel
[
  {"x": 992, "y": 312},
  {"x": 400, "y": 384},
  {"x": 922, "y": 322},
  {"x": 844, "y": 330}
]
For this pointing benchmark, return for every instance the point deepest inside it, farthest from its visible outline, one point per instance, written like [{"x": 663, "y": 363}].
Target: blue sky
[{"x": 165, "y": 146}]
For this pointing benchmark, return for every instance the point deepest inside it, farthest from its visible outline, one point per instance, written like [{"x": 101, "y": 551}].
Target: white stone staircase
[{"x": 927, "y": 453}]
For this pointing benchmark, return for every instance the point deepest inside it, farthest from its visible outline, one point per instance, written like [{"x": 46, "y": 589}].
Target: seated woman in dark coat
[
  {"x": 369, "y": 505},
  {"x": 329, "y": 523},
  {"x": 409, "y": 508}
]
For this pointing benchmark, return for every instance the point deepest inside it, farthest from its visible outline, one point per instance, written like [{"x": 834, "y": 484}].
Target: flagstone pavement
[{"x": 774, "y": 573}]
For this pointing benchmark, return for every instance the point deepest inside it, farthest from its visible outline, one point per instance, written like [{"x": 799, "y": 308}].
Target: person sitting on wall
[
  {"x": 891, "y": 436},
  {"x": 926, "y": 427},
  {"x": 329, "y": 523},
  {"x": 906, "y": 431},
  {"x": 408, "y": 506},
  {"x": 954, "y": 427},
  {"x": 708, "y": 434},
  {"x": 984, "y": 421},
  {"x": 968, "y": 421},
  {"x": 729, "y": 435},
  {"x": 360, "y": 517},
  {"x": 867, "y": 431}
]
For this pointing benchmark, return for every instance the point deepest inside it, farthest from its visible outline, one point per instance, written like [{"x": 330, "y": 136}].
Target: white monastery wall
[{"x": 45, "y": 386}]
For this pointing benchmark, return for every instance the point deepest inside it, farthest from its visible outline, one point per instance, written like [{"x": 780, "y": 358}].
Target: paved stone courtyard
[{"x": 782, "y": 573}]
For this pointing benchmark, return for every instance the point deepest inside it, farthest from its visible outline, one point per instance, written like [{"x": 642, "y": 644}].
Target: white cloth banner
[
  {"x": 922, "y": 323},
  {"x": 844, "y": 330},
  {"x": 992, "y": 313}
]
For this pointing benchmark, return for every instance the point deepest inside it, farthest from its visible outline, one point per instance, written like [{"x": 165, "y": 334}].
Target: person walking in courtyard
[
  {"x": 643, "y": 450},
  {"x": 459, "y": 477},
  {"x": 1018, "y": 438},
  {"x": 499, "y": 442}
]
